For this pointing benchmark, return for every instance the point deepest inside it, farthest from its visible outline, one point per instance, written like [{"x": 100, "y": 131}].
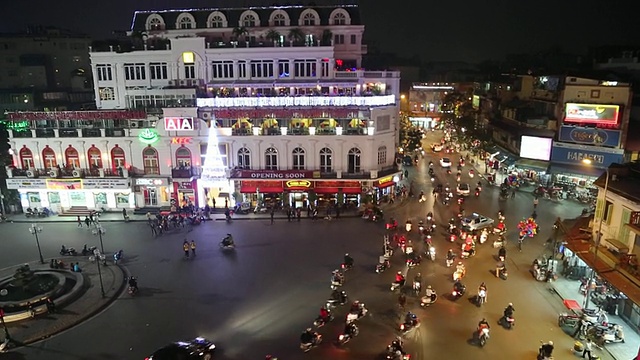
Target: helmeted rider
[
  {"x": 508, "y": 311},
  {"x": 400, "y": 278},
  {"x": 450, "y": 255},
  {"x": 396, "y": 346},
  {"x": 337, "y": 276},
  {"x": 228, "y": 240},
  {"x": 133, "y": 282},
  {"x": 460, "y": 267},
  {"x": 411, "y": 318},
  {"x": 430, "y": 292},
  {"x": 324, "y": 314},
  {"x": 350, "y": 328},
  {"x": 348, "y": 260},
  {"x": 546, "y": 350},
  {"x": 308, "y": 336},
  {"x": 458, "y": 286}
]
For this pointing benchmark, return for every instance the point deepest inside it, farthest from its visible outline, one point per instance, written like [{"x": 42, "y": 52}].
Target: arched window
[
  {"x": 353, "y": 161},
  {"x": 382, "y": 155},
  {"x": 71, "y": 158},
  {"x": 217, "y": 20},
  {"x": 183, "y": 157},
  {"x": 339, "y": 19},
  {"x": 150, "y": 161},
  {"x": 244, "y": 158},
  {"x": 118, "y": 158},
  {"x": 309, "y": 17},
  {"x": 249, "y": 18},
  {"x": 26, "y": 158},
  {"x": 49, "y": 157},
  {"x": 185, "y": 21},
  {"x": 271, "y": 159},
  {"x": 326, "y": 160},
  {"x": 155, "y": 22},
  {"x": 249, "y": 21},
  {"x": 95, "y": 158},
  {"x": 279, "y": 18},
  {"x": 298, "y": 159}
]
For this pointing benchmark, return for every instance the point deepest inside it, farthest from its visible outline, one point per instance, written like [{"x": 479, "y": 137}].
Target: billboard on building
[
  {"x": 596, "y": 114},
  {"x": 589, "y": 136},
  {"x": 537, "y": 148}
]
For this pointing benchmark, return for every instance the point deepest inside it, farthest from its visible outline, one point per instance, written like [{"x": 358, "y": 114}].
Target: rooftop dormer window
[
  {"x": 309, "y": 19},
  {"x": 249, "y": 21},
  {"x": 339, "y": 19},
  {"x": 185, "y": 23},
  {"x": 279, "y": 20}
]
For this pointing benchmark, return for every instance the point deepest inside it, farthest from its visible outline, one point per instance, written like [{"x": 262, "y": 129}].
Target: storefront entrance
[
  {"x": 77, "y": 198},
  {"x": 150, "y": 196}
]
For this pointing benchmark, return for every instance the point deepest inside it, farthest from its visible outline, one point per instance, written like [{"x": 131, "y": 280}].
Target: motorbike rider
[
  {"x": 411, "y": 319},
  {"x": 348, "y": 260},
  {"x": 459, "y": 287},
  {"x": 430, "y": 293},
  {"x": 308, "y": 336},
  {"x": 400, "y": 278},
  {"x": 508, "y": 311},
  {"x": 337, "y": 277},
  {"x": 450, "y": 255},
  {"x": 340, "y": 296},
  {"x": 396, "y": 346},
  {"x": 409, "y": 247},
  {"x": 546, "y": 350},
  {"x": 417, "y": 281},
  {"x": 350, "y": 328},
  {"x": 502, "y": 252},
  {"x": 483, "y": 324},
  {"x": 133, "y": 282},
  {"x": 228, "y": 240},
  {"x": 460, "y": 267},
  {"x": 324, "y": 314}
]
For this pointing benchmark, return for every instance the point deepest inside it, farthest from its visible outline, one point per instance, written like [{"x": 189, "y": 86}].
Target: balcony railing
[
  {"x": 186, "y": 172},
  {"x": 65, "y": 172}
]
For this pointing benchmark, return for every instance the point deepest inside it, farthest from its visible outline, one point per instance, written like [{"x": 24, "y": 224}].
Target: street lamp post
[
  {"x": 598, "y": 236},
  {"x": 34, "y": 229},
  {"x": 99, "y": 231},
  {"x": 98, "y": 259}
]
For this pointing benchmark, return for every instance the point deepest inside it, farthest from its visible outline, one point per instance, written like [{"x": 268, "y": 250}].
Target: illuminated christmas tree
[{"x": 213, "y": 170}]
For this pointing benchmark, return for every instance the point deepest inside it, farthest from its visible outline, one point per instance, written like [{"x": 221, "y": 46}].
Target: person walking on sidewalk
[
  {"x": 79, "y": 221},
  {"x": 87, "y": 221},
  {"x": 298, "y": 213},
  {"x": 588, "y": 347},
  {"x": 185, "y": 247},
  {"x": 272, "y": 215},
  {"x": 193, "y": 248},
  {"x": 535, "y": 202}
]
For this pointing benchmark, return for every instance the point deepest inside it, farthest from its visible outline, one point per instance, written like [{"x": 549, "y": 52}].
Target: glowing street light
[{"x": 34, "y": 230}]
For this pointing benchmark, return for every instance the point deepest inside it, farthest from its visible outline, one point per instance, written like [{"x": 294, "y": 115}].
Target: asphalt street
[{"x": 257, "y": 300}]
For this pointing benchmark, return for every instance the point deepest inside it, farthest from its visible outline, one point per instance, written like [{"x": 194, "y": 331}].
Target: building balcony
[
  {"x": 276, "y": 130},
  {"x": 186, "y": 172},
  {"x": 66, "y": 172}
]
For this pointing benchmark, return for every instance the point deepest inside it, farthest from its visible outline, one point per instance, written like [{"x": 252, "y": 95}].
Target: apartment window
[
  {"x": 305, "y": 68},
  {"x": 134, "y": 72},
  {"x": 217, "y": 21},
  {"x": 339, "y": 19},
  {"x": 158, "y": 71},
  {"x": 244, "y": 158},
  {"x": 338, "y": 39},
  {"x": 104, "y": 72},
  {"x": 309, "y": 19},
  {"x": 189, "y": 71},
  {"x": 382, "y": 155},
  {"x": 326, "y": 160},
  {"x": 354, "y": 39},
  {"x": 271, "y": 159},
  {"x": 222, "y": 70},
  {"x": 353, "y": 161},
  {"x": 298, "y": 158},
  {"x": 185, "y": 23},
  {"x": 261, "y": 69},
  {"x": 325, "y": 68},
  {"x": 249, "y": 21},
  {"x": 242, "y": 69},
  {"x": 283, "y": 68},
  {"x": 106, "y": 93}
]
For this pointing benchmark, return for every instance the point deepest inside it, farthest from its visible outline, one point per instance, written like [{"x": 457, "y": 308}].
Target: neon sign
[
  {"x": 148, "y": 136},
  {"x": 592, "y": 114},
  {"x": 178, "y": 124},
  {"x": 182, "y": 140},
  {"x": 298, "y": 183},
  {"x": 284, "y": 101}
]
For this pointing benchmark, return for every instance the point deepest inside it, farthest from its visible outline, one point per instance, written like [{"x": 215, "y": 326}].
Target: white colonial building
[{"x": 219, "y": 104}]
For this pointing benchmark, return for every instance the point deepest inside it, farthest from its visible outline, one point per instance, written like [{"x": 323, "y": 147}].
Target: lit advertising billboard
[
  {"x": 600, "y": 157},
  {"x": 589, "y": 136},
  {"x": 475, "y": 102},
  {"x": 597, "y": 114},
  {"x": 537, "y": 148},
  {"x": 178, "y": 124}
]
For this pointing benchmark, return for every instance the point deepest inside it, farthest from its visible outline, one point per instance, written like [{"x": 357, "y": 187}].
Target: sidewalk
[
  {"x": 569, "y": 290},
  {"x": 88, "y": 304}
]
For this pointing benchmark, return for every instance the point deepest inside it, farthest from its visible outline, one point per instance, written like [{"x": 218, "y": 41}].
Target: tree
[
  {"x": 326, "y": 37},
  {"x": 410, "y": 136},
  {"x": 296, "y": 35},
  {"x": 273, "y": 35},
  {"x": 5, "y": 160},
  {"x": 240, "y": 32}
]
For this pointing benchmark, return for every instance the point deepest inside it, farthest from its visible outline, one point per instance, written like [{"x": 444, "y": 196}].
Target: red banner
[
  {"x": 338, "y": 184},
  {"x": 286, "y": 113},
  {"x": 77, "y": 115},
  {"x": 274, "y": 174},
  {"x": 346, "y": 190},
  {"x": 265, "y": 187}
]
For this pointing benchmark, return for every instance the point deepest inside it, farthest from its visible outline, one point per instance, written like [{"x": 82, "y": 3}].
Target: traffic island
[{"x": 76, "y": 296}]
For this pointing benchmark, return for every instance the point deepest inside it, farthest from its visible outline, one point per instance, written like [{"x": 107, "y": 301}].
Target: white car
[
  {"x": 445, "y": 162},
  {"x": 436, "y": 147},
  {"x": 476, "y": 222},
  {"x": 463, "y": 189}
]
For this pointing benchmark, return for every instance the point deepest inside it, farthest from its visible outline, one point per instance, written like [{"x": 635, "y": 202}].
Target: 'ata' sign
[{"x": 178, "y": 124}]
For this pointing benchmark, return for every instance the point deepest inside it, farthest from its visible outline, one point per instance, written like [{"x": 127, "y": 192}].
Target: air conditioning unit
[
  {"x": 76, "y": 173},
  {"x": 133, "y": 124},
  {"x": 173, "y": 83},
  {"x": 205, "y": 115},
  {"x": 185, "y": 82},
  {"x": 31, "y": 173},
  {"x": 53, "y": 173}
]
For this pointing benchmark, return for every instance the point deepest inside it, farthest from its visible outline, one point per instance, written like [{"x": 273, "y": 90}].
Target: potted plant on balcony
[
  {"x": 274, "y": 36},
  {"x": 326, "y": 38},
  {"x": 240, "y": 32},
  {"x": 295, "y": 36}
]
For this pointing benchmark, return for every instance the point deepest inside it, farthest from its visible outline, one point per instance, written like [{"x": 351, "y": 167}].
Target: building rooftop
[
  {"x": 44, "y": 32},
  {"x": 624, "y": 180}
]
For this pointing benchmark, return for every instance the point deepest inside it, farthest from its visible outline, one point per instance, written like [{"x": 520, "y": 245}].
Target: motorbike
[
  {"x": 316, "y": 341},
  {"x": 609, "y": 334},
  {"x": 117, "y": 256},
  {"x": 458, "y": 293},
  {"x": 507, "y": 322},
  {"x": 421, "y": 226},
  {"x": 88, "y": 251},
  {"x": 396, "y": 285},
  {"x": 407, "y": 326},
  {"x": 320, "y": 321},
  {"x": 477, "y": 193},
  {"x": 227, "y": 245},
  {"x": 471, "y": 174},
  {"x": 417, "y": 286},
  {"x": 68, "y": 251},
  {"x": 426, "y": 301},
  {"x": 393, "y": 354},
  {"x": 484, "y": 236},
  {"x": 483, "y": 335},
  {"x": 383, "y": 265},
  {"x": 414, "y": 261},
  {"x": 481, "y": 297},
  {"x": 407, "y": 226},
  {"x": 353, "y": 332},
  {"x": 392, "y": 225},
  {"x": 357, "y": 315},
  {"x": 453, "y": 238},
  {"x": 450, "y": 261},
  {"x": 499, "y": 242},
  {"x": 502, "y": 273},
  {"x": 331, "y": 303},
  {"x": 458, "y": 274},
  {"x": 336, "y": 284},
  {"x": 432, "y": 253}
]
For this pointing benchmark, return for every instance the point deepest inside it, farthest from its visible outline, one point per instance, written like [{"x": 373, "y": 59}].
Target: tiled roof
[
  {"x": 626, "y": 180},
  {"x": 233, "y": 9}
]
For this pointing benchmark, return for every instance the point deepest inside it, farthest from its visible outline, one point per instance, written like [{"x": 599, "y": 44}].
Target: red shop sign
[
  {"x": 265, "y": 187},
  {"x": 274, "y": 174}
]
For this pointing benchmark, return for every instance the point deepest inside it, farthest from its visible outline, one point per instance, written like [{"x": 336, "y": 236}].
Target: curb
[
  {"x": 79, "y": 320},
  {"x": 237, "y": 217}
]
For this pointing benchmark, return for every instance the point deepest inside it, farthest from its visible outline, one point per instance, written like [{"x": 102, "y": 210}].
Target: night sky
[{"x": 442, "y": 30}]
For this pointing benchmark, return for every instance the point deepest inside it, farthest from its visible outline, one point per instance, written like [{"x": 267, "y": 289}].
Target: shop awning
[
  {"x": 334, "y": 190},
  {"x": 580, "y": 170},
  {"x": 624, "y": 284},
  {"x": 537, "y": 165}
]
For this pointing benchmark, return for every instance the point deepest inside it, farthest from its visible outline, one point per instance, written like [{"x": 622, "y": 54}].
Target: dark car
[{"x": 196, "y": 349}]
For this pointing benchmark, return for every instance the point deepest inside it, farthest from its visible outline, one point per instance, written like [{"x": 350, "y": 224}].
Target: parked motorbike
[{"x": 87, "y": 251}]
